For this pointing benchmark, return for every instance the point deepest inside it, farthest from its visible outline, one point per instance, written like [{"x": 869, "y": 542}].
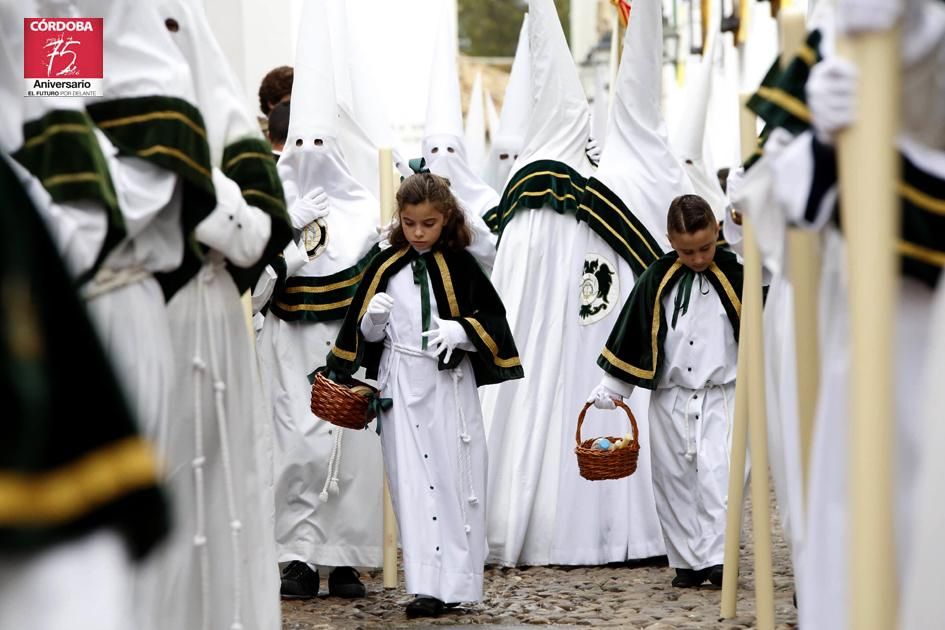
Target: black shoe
[
  {"x": 715, "y": 575},
  {"x": 452, "y": 604},
  {"x": 689, "y": 578},
  {"x": 299, "y": 581},
  {"x": 344, "y": 582},
  {"x": 424, "y": 607}
]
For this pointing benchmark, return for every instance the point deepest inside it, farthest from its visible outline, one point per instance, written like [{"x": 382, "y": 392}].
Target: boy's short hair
[
  {"x": 688, "y": 214},
  {"x": 279, "y": 123},
  {"x": 276, "y": 87}
]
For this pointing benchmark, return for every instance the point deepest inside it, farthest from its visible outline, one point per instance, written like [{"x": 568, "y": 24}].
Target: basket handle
[{"x": 618, "y": 403}]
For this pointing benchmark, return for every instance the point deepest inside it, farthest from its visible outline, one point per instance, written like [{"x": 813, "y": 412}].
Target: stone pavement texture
[{"x": 633, "y": 596}]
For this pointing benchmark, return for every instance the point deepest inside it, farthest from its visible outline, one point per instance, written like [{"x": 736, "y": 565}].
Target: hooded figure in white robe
[
  {"x": 328, "y": 483},
  {"x": 444, "y": 149},
  {"x": 542, "y": 269},
  {"x": 219, "y": 568},
  {"x": 823, "y": 590}
]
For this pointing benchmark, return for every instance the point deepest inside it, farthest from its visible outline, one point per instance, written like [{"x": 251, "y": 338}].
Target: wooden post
[
  {"x": 386, "y": 163},
  {"x": 736, "y": 477},
  {"x": 804, "y": 271},
  {"x": 736, "y": 486},
  {"x": 750, "y": 387},
  {"x": 869, "y": 172}
]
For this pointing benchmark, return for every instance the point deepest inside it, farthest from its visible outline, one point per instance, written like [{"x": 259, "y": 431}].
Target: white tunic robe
[
  {"x": 437, "y": 479},
  {"x": 691, "y": 416},
  {"x": 219, "y": 567}
]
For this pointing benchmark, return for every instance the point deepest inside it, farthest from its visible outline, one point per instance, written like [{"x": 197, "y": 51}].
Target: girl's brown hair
[
  {"x": 689, "y": 214},
  {"x": 434, "y": 189}
]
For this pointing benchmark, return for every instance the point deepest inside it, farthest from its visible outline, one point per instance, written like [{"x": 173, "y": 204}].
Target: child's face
[
  {"x": 422, "y": 224},
  {"x": 696, "y": 250}
]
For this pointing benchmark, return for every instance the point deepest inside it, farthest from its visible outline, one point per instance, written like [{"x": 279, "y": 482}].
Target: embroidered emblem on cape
[
  {"x": 599, "y": 290},
  {"x": 315, "y": 238}
]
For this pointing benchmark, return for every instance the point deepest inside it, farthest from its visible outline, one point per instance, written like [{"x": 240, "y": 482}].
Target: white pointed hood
[
  {"x": 509, "y": 139},
  {"x": 560, "y": 119},
  {"x": 313, "y": 157},
  {"x": 601, "y": 110},
  {"x": 637, "y": 163},
  {"x": 444, "y": 110},
  {"x": 364, "y": 123},
  {"x": 140, "y": 58},
  {"x": 689, "y": 136},
  {"x": 492, "y": 116},
  {"x": 219, "y": 94},
  {"x": 443, "y": 147},
  {"x": 476, "y": 127}
]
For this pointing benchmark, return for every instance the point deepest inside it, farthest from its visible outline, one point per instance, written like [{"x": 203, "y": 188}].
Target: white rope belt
[
  {"x": 690, "y": 440},
  {"x": 207, "y": 273},
  {"x": 107, "y": 280}
]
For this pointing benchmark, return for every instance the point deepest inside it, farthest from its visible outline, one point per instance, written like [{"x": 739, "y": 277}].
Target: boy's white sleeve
[{"x": 616, "y": 385}]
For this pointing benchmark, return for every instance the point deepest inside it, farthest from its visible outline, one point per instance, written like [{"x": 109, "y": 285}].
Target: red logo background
[{"x": 80, "y": 50}]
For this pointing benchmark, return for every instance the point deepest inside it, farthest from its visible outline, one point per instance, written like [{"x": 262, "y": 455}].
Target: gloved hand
[
  {"x": 603, "y": 397},
  {"x": 309, "y": 207},
  {"x": 831, "y": 96},
  {"x": 867, "y": 16},
  {"x": 446, "y": 337},
  {"x": 378, "y": 310},
  {"x": 593, "y": 151}
]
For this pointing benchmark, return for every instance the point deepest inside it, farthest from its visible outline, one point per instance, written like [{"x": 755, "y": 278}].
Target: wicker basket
[
  {"x": 595, "y": 464},
  {"x": 339, "y": 405}
]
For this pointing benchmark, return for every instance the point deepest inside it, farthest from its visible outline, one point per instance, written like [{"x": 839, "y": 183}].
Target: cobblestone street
[{"x": 633, "y": 596}]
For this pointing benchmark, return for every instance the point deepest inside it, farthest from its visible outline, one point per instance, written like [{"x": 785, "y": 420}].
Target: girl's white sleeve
[{"x": 373, "y": 332}]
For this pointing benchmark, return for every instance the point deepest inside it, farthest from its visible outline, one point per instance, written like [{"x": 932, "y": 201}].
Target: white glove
[
  {"x": 603, "y": 397},
  {"x": 867, "y": 16},
  {"x": 310, "y": 206},
  {"x": 593, "y": 151},
  {"x": 378, "y": 310},
  {"x": 447, "y": 336},
  {"x": 831, "y": 95},
  {"x": 384, "y": 232}
]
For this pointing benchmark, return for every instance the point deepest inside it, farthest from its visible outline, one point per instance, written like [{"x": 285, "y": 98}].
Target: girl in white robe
[
  {"x": 690, "y": 366},
  {"x": 432, "y": 437}
]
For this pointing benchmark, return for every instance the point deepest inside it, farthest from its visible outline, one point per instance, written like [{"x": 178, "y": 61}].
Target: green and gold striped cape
[
  {"x": 60, "y": 149},
  {"x": 634, "y": 350},
  {"x": 463, "y": 294},
  {"x": 169, "y": 133}
]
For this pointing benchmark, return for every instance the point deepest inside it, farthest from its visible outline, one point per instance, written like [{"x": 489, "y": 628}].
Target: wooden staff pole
[
  {"x": 753, "y": 332},
  {"x": 386, "y": 163},
  {"x": 869, "y": 171},
  {"x": 804, "y": 270},
  {"x": 747, "y": 379}
]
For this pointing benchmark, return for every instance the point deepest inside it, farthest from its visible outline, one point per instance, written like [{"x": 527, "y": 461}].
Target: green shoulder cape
[
  {"x": 463, "y": 294},
  {"x": 634, "y": 350}
]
